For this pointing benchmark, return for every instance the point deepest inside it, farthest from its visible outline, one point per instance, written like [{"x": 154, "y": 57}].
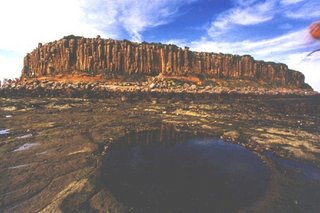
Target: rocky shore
[
  {"x": 150, "y": 87},
  {"x": 51, "y": 148}
]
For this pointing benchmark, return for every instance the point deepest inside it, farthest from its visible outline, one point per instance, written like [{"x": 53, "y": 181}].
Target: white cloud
[
  {"x": 178, "y": 42},
  {"x": 292, "y": 41},
  {"x": 309, "y": 66},
  {"x": 10, "y": 67},
  {"x": 25, "y": 23},
  {"x": 244, "y": 2},
  {"x": 289, "y": 2},
  {"x": 307, "y": 10},
  {"x": 252, "y": 12},
  {"x": 132, "y": 16},
  {"x": 245, "y": 13}
]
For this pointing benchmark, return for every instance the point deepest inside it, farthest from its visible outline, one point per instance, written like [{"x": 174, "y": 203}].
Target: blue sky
[{"x": 271, "y": 30}]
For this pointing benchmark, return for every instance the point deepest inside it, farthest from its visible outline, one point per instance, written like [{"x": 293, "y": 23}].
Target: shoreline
[{"x": 137, "y": 90}]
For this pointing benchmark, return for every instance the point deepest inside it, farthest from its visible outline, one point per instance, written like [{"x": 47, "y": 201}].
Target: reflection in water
[
  {"x": 4, "y": 131},
  {"x": 157, "y": 172},
  {"x": 299, "y": 169}
]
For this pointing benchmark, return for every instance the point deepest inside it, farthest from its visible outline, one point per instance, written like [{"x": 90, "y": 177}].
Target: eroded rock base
[{"x": 61, "y": 171}]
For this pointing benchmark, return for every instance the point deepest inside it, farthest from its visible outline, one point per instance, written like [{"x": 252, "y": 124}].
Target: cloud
[
  {"x": 252, "y": 12},
  {"x": 289, "y": 2},
  {"x": 178, "y": 42},
  {"x": 245, "y": 13},
  {"x": 244, "y": 2},
  {"x": 10, "y": 67},
  {"x": 307, "y": 65},
  {"x": 132, "y": 16},
  {"x": 305, "y": 10},
  {"x": 284, "y": 43},
  {"x": 25, "y": 23}
]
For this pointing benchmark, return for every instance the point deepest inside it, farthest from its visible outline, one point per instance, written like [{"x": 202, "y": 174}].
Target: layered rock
[{"x": 108, "y": 57}]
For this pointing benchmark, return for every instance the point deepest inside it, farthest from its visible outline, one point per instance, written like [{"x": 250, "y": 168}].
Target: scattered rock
[
  {"x": 9, "y": 109},
  {"x": 185, "y": 85},
  {"x": 124, "y": 98},
  {"x": 193, "y": 87},
  {"x": 152, "y": 86}
]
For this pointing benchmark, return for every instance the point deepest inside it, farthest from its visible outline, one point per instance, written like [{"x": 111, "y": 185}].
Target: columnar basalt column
[{"x": 100, "y": 56}]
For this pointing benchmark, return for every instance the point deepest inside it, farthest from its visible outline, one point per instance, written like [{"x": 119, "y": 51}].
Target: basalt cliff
[{"x": 107, "y": 57}]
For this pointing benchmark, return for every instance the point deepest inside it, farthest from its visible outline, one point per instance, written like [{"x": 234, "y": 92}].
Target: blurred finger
[{"x": 315, "y": 30}]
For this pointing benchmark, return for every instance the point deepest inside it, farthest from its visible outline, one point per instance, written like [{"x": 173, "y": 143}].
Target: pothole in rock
[{"x": 158, "y": 171}]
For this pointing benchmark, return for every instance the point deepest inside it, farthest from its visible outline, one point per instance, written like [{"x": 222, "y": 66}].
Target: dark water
[{"x": 151, "y": 173}]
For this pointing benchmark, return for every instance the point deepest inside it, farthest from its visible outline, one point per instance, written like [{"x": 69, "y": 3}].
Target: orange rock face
[{"x": 105, "y": 57}]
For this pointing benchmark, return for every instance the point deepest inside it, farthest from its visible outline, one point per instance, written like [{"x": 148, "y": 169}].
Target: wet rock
[{"x": 231, "y": 135}]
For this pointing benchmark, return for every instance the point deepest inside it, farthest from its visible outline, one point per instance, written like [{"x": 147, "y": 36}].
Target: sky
[{"x": 269, "y": 30}]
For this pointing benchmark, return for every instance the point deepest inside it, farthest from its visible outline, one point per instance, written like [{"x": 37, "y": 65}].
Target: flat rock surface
[{"x": 51, "y": 148}]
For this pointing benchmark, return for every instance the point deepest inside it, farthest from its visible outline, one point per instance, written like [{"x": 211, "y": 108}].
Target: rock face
[{"x": 109, "y": 57}]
